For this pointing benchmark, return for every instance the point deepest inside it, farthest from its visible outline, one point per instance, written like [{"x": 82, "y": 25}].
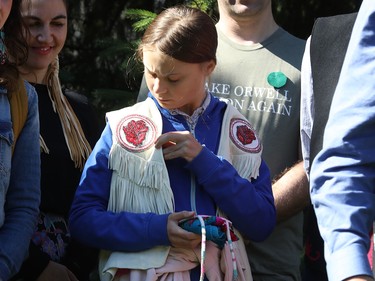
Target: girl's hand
[
  {"x": 178, "y": 144},
  {"x": 179, "y": 237}
]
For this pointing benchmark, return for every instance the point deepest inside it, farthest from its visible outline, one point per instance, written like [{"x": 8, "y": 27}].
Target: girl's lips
[
  {"x": 165, "y": 101},
  {"x": 42, "y": 50}
]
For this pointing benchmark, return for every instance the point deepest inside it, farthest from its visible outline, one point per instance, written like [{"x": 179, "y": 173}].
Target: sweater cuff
[{"x": 159, "y": 222}]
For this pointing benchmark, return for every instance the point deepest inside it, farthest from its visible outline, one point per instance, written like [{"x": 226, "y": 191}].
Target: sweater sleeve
[
  {"x": 91, "y": 223},
  {"x": 248, "y": 204}
]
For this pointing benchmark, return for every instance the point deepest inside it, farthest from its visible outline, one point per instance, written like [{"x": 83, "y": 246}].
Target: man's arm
[
  {"x": 291, "y": 188},
  {"x": 291, "y": 192}
]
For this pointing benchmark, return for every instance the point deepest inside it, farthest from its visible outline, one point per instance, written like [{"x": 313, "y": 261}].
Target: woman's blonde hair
[{"x": 78, "y": 146}]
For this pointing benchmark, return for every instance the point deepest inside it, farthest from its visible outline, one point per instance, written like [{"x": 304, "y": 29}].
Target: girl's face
[
  {"x": 176, "y": 84},
  {"x": 47, "y": 22},
  {"x": 5, "y": 7}
]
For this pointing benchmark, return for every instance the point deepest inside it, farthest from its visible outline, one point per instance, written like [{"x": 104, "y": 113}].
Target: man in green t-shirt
[{"x": 258, "y": 71}]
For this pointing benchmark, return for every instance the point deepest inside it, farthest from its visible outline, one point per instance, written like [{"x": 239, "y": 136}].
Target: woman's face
[
  {"x": 5, "y": 7},
  {"x": 47, "y": 22},
  {"x": 176, "y": 84}
]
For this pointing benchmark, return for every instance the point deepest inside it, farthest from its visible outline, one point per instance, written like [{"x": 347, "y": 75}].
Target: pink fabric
[
  {"x": 218, "y": 266},
  {"x": 226, "y": 264}
]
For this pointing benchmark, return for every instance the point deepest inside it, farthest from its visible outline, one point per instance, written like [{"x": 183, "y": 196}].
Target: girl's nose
[{"x": 158, "y": 86}]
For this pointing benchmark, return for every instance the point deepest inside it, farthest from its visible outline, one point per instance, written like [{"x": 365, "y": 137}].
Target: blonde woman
[{"x": 68, "y": 132}]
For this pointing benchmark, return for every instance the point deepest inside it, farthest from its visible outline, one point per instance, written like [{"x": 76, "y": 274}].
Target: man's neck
[{"x": 248, "y": 31}]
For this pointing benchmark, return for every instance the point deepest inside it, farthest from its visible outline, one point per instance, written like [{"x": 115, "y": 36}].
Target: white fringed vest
[{"x": 140, "y": 181}]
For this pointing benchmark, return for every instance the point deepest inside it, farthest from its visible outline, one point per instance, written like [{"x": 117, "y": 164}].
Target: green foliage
[
  {"x": 143, "y": 18},
  {"x": 204, "y": 5}
]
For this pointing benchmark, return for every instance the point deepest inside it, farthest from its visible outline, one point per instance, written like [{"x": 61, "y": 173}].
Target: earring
[{"x": 3, "y": 55}]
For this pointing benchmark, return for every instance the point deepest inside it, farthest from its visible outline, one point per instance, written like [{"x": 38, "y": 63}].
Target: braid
[{"x": 78, "y": 146}]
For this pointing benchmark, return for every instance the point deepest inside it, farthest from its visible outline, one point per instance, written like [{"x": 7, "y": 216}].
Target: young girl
[
  {"x": 19, "y": 145},
  {"x": 180, "y": 154}
]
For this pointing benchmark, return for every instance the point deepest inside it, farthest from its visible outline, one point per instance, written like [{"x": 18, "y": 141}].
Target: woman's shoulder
[
  {"x": 75, "y": 97},
  {"x": 80, "y": 104},
  {"x": 31, "y": 94},
  {"x": 30, "y": 89},
  {"x": 85, "y": 113}
]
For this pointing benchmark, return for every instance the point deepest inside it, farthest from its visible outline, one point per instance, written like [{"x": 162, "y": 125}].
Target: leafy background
[{"x": 98, "y": 59}]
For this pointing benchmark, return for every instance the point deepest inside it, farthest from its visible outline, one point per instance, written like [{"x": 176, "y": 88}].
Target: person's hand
[
  {"x": 179, "y": 237},
  {"x": 178, "y": 144},
  {"x": 56, "y": 272}
]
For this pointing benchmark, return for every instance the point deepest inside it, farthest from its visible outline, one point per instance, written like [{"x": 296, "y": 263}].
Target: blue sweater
[{"x": 205, "y": 184}]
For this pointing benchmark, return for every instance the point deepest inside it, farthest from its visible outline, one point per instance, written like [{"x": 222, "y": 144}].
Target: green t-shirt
[{"x": 252, "y": 78}]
